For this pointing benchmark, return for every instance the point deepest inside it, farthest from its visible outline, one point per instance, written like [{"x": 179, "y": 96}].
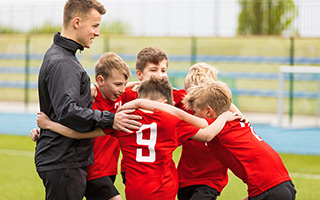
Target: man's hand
[
  {"x": 35, "y": 134},
  {"x": 125, "y": 122}
]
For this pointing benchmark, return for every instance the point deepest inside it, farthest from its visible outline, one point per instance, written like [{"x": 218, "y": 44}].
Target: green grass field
[{"x": 19, "y": 179}]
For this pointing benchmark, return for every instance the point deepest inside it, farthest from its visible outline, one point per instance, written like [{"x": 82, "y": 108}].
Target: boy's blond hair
[
  {"x": 152, "y": 55},
  {"x": 156, "y": 88},
  {"x": 199, "y": 73},
  {"x": 109, "y": 61},
  {"x": 215, "y": 94},
  {"x": 72, "y": 8}
]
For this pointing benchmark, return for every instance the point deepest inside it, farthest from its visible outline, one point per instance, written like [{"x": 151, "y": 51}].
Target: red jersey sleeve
[
  {"x": 185, "y": 131},
  {"x": 178, "y": 96},
  {"x": 129, "y": 95}
]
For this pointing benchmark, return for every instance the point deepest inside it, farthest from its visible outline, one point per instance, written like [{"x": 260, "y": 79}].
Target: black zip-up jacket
[{"x": 64, "y": 95}]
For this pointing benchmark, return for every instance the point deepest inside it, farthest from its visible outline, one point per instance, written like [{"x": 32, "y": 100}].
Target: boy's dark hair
[
  {"x": 81, "y": 8},
  {"x": 156, "y": 88},
  {"x": 152, "y": 55}
]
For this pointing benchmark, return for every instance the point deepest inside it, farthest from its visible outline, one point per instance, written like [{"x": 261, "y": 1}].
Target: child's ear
[
  {"x": 209, "y": 112},
  {"x": 100, "y": 80},
  {"x": 139, "y": 75}
]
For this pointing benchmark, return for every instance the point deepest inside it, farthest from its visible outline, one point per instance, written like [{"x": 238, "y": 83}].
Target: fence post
[
  {"x": 27, "y": 71},
  {"x": 106, "y": 44},
  {"x": 291, "y": 80},
  {"x": 193, "y": 50}
]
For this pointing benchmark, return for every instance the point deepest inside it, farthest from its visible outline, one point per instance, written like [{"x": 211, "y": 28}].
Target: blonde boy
[{"x": 201, "y": 175}]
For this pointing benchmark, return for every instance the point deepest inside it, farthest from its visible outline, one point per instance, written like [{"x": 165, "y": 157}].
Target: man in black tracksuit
[{"x": 64, "y": 95}]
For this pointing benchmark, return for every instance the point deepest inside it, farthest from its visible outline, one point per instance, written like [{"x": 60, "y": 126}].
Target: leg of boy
[
  {"x": 283, "y": 191},
  {"x": 101, "y": 189},
  {"x": 198, "y": 192}
]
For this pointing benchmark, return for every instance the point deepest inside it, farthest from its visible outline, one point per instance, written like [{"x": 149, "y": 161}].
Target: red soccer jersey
[
  {"x": 178, "y": 96},
  {"x": 251, "y": 159},
  {"x": 106, "y": 148},
  {"x": 198, "y": 166},
  {"x": 147, "y": 155}
]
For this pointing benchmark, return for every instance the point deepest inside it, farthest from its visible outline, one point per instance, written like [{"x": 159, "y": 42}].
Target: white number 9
[{"x": 151, "y": 143}]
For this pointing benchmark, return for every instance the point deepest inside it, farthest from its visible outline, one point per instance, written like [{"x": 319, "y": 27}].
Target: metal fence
[
  {"x": 249, "y": 65},
  {"x": 199, "y": 18}
]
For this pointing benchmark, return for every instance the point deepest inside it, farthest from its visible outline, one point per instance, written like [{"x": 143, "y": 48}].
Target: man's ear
[
  {"x": 100, "y": 80},
  {"x": 76, "y": 22}
]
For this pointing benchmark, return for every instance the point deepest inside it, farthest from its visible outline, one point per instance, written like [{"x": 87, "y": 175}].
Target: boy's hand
[
  {"x": 35, "y": 134},
  {"x": 43, "y": 121},
  {"x": 125, "y": 122},
  {"x": 246, "y": 198},
  {"x": 94, "y": 92},
  {"x": 133, "y": 84},
  {"x": 230, "y": 116},
  {"x": 243, "y": 118}
]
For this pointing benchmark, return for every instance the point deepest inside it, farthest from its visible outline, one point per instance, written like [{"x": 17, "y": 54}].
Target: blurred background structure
[{"x": 247, "y": 40}]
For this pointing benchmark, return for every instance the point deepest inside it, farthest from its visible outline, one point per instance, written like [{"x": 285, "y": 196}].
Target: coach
[{"x": 64, "y": 95}]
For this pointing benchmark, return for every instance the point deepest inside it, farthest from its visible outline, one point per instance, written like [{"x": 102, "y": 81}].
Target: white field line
[
  {"x": 305, "y": 176},
  {"x": 12, "y": 152},
  {"x": 31, "y": 154}
]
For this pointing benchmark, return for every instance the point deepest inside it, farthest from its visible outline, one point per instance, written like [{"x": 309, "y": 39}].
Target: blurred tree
[
  {"x": 8, "y": 30},
  {"x": 116, "y": 27},
  {"x": 266, "y": 17},
  {"x": 47, "y": 27}
]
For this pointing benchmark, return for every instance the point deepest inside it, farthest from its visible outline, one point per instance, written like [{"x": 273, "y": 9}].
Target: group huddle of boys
[{"x": 147, "y": 166}]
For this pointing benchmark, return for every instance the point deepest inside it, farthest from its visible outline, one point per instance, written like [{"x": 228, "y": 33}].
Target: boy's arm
[
  {"x": 151, "y": 105},
  {"x": 132, "y": 84},
  {"x": 44, "y": 122},
  {"x": 208, "y": 133}
]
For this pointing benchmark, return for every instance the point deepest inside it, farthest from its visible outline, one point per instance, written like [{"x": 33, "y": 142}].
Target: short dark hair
[
  {"x": 80, "y": 7},
  {"x": 152, "y": 55},
  {"x": 156, "y": 88}
]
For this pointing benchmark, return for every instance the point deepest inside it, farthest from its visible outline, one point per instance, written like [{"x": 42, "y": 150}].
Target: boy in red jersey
[
  {"x": 237, "y": 146},
  {"x": 201, "y": 175},
  {"x": 147, "y": 153},
  {"x": 152, "y": 61}
]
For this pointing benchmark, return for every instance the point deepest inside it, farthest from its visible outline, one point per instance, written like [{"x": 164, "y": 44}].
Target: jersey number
[
  {"x": 151, "y": 143},
  {"x": 252, "y": 131}
]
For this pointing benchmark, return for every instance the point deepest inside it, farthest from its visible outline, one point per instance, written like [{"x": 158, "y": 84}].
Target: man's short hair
[
  {"x": 73, "y": 8},
  {"x": 152, "y": 55},
  {"x": 109, "y": 61},
  {"x": 156, "y": 88}
]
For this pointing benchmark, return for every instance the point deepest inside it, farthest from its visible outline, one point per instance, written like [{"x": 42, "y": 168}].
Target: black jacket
[{"x": 64, "y": 95}]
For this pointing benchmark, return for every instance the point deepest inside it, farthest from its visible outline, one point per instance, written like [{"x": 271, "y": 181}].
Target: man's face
[
  {"x": 89, "y": 28},
  {"x": 153, "y": 70},
  {"x": 114, "y": 86}
]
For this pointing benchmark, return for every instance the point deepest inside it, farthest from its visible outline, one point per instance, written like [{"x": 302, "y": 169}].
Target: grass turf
[{"x": 19, "y": 179}]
